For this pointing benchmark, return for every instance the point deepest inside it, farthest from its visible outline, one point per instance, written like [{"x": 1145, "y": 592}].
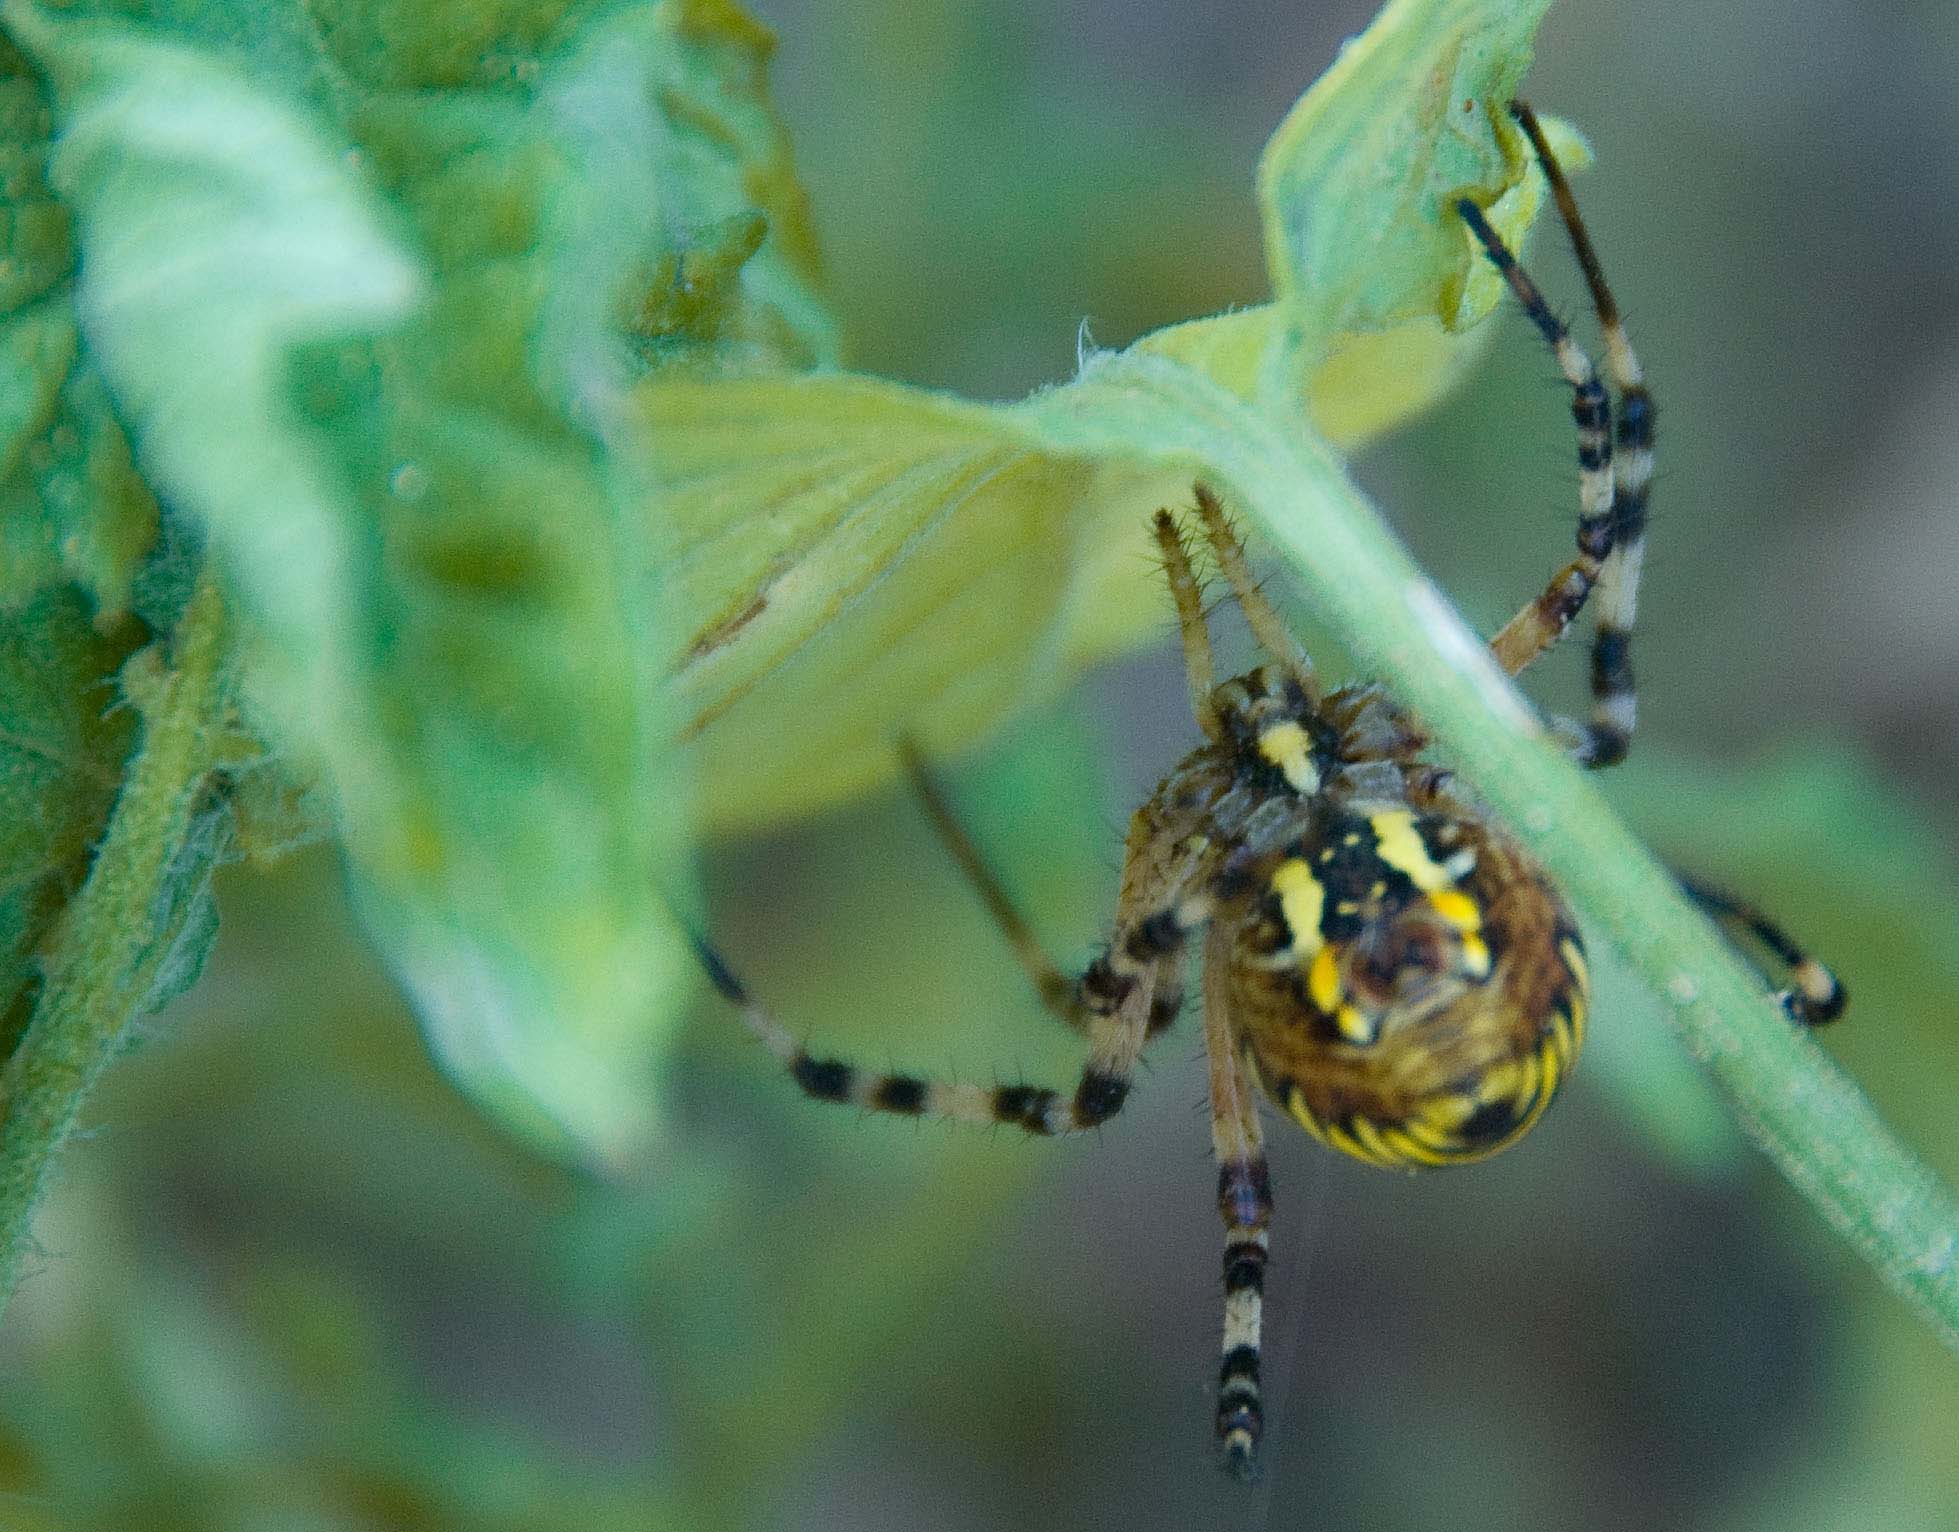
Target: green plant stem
[
  {"x": 105, "y": 956},
  {"x": 1811, "y": 1118}
]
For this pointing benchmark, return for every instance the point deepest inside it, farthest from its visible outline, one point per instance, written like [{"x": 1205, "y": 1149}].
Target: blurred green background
[{"x": 289, "y": 1282}]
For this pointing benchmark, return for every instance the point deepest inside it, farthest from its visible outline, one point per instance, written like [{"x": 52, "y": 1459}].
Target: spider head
[{"x": 1273, "y": 722}]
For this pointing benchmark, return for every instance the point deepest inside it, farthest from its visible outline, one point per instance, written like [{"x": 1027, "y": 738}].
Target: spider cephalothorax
[{"x": 1378, "y": 955}]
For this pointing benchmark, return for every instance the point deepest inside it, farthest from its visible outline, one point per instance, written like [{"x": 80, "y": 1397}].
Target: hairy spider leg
[
  {"x": 1268, "y": 628},
  {"x": 1616, "y": 603},
  {"x": 1199, "y": 672}
]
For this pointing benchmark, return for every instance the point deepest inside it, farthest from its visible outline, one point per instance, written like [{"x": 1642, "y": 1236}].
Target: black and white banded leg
[
  {"x": 1814, "y": 997},
  {"x": 1615, "y": 605},
  {"x": 1245, "y": 1205},
  {"x": 1118, "y": 992},
  {"x": 1612, "y": 486}
]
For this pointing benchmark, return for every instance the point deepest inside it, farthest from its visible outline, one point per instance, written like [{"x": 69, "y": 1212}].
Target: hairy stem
[
  {"x": 104, "y": 959},
  {"x": 1810, "y": 1117}
]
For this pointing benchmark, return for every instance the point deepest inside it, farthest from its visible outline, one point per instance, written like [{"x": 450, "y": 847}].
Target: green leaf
[
  {"x": 867, "y": 558},
  {"x": 373, "y": 338},
  {"x": 72, "y": 506},
  {"x": 1357, "y": 187},
  {"x": 1378, "y": 292},
  {"x": 733, "y": 277}
]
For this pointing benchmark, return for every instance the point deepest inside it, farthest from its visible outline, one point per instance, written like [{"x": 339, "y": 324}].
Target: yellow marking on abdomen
[
  {"x": 1551, "y": 1057},
  {"x": 1323, "y": 981},
  {"x": 1296, "y": 1108},
  {"x": 1562, "y": 1034},
  {"x": 1302, "y": 901},
  {"x": 1407, "y": 1146},
  {"x": 1346, "y": 1143},
  {"x": 1368, "y": 1134},
  {"x": 1400, "y": 846},
  {"x": 1574, "y": 959},
  {"x": 1466, "y": 915},
  {"x": 1357, "y": 1028}
]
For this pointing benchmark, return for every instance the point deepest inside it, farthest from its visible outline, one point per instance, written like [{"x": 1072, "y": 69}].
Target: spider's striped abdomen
[{"x": 1413, "y": 991}]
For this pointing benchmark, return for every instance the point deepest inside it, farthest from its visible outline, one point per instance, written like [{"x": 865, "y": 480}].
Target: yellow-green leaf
[
  {"x": 1377, "y": 288},
  {"x": 1357, "y": 188},
  {"x": 865, "y": 559},
  {"x": 854, "y": 558},
  {"x": 734, "y": 277}
]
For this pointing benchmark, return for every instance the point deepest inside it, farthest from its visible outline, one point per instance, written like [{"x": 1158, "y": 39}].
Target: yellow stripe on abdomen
[{"x": 1302, "y": 901}]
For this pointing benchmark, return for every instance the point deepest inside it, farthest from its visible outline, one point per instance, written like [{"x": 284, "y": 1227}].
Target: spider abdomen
[{"x": 1413, "y": 989}]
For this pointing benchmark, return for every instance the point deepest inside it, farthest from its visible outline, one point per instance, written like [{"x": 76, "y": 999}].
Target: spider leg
[
  {"x": 1118, "y": 991},
  {"x": 1245, "y": 1204},
  {"x": 1268, "y": 628},
  {"x": 1815, "y": 996},
  {"x": 1078, "y": 1001},
  {"x": 1059, "y": 992},
  {"x": 1616, "y": 604},
  {"x": 1097, "y": 1097},
  {"x": 1191, "y": 627},
  {"x": 1062, "y": 993},
  {"x": 1612, "y": 488}
]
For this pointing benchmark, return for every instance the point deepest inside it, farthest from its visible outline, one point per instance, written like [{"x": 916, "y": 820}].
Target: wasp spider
[{"x": 1378, "y": 957}]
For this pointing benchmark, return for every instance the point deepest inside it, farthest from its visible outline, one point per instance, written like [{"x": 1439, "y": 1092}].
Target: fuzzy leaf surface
[{"x": 370, "y": 325}]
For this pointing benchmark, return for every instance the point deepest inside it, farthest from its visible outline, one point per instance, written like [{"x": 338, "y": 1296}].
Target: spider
[{"x": 1379, "y": 958}]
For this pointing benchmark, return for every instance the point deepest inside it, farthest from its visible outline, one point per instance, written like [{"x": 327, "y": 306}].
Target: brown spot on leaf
[{"x": 725, "y": 630}]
